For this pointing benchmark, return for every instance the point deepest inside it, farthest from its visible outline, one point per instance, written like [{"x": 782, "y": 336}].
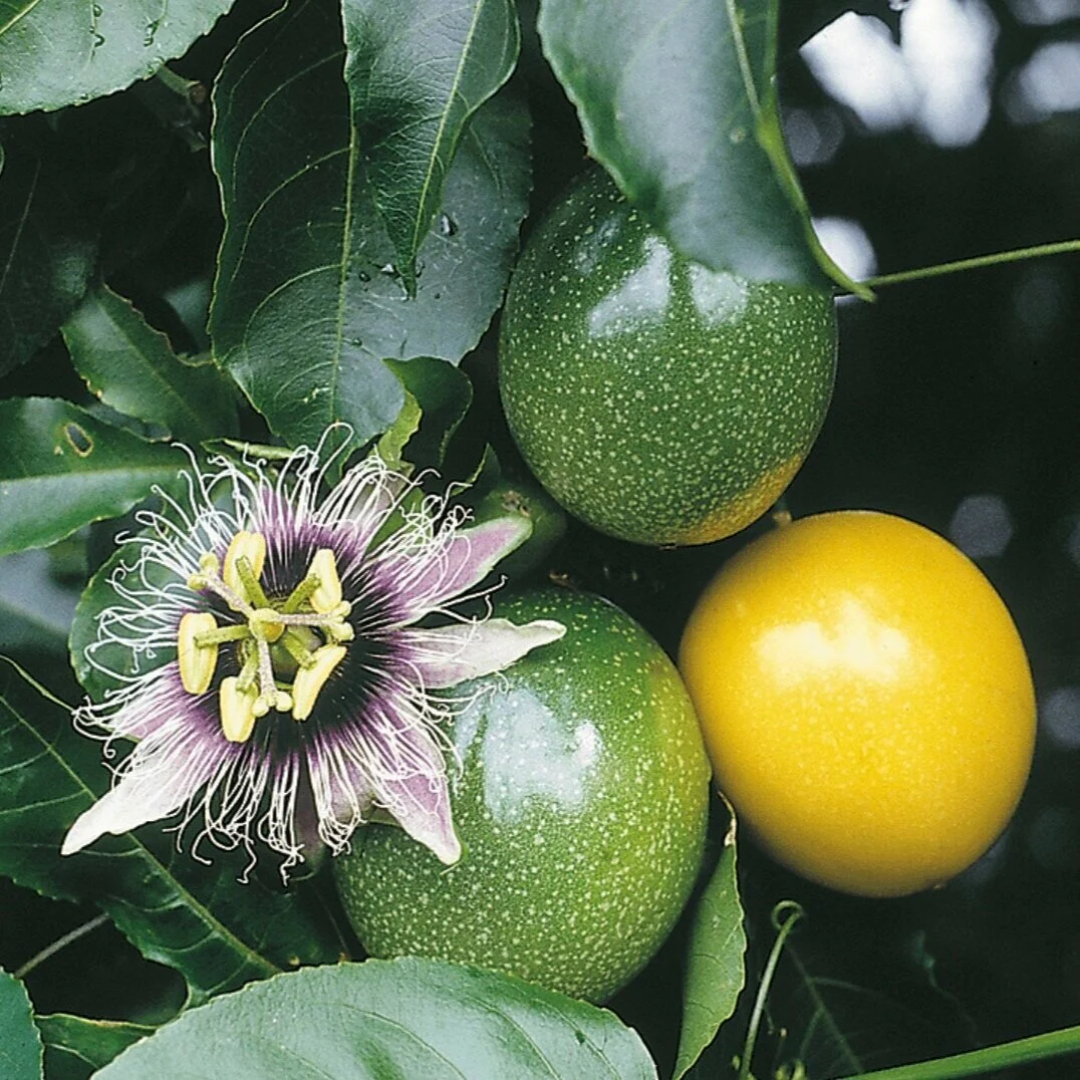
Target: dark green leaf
[
  {"x": 35, "y": 610},
  {"x": 402, "y": 1018},
  {"x": 854, "y": 994},
  {"x": 392, "y": 442},
  {"x": 61, "y": 468},
  {"x": 417, "y": 70},
  {"x": 134, "y": 370},
  {"x": 443, "y": 395},
  {"x": 677, "y": 102},
  {"x": 76, "y": 1047},
  {"x": 307, "y": 303},
  {"x": 217, "y": 932},
  {"x": 715, "y": 969},
  {"x": 96, "y": 597},
  {"x": 47, "y": 249},
  {"x": 55, "y": 53},
  {"x": 20, "y": 1046}
]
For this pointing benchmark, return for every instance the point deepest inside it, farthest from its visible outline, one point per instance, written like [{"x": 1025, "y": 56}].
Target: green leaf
[
  {"x": 76, "y": 1047},
  {"x": 20, "y": 1046},
  {"x": 35, "y": 610},
  {"x": 514, "y": 496},
  {"x": 401, "y": 1018},
  {"x": 60, "y": 468},
  {"x": 417, "y": 70},
  {"x": 307, "y": 304},
  {"x": 96, "y": 597},
  {"x": 677, "y": 102},
  {"x": 392, "y": 442},
  {"x": 852, "y": 995},
  {"x": 55, "y": 53},
  {"x": 200, "y": 920},
  {"x": 47, "y": 248},
  {"x": 133, "y": 369},
  {"x": 716, "y": 968},
  {"x": 443, "y": 395}
]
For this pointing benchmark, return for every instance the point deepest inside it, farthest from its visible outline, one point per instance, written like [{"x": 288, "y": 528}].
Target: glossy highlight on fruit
[
  {"x": 865, "y": 699},
  {"x": 656, "y": 400},
  {"x": 581, "y": 806}
]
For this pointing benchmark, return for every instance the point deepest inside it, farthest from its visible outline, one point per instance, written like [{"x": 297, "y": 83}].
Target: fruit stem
[
  {"x": 990, "y": 1058},
  {"x": 1061, "y": 247},
  {"x": 784, "y": 917}
]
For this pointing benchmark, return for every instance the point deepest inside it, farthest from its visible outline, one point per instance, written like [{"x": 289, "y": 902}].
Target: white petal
[
  {"x": 143, "y": 795},
  {"x": 420, "y": 800},
  {"x": 421, "y": 585},
  {"x": 391, "y": 759},
  {"x": 448, "y": 655}
]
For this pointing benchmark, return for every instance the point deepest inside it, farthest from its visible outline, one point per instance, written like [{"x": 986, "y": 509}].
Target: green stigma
[{"x": 286, "y": 648}]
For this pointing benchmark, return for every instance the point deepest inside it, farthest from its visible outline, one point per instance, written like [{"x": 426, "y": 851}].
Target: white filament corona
[{"x": 375, "y": 736}]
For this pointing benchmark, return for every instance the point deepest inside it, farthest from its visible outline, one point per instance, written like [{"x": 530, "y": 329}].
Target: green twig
[
  {"x": 790, "y": 913},
  {"x": 60, "y": 943},
  {"x": 991, "y": 1058},
  {"x": 1017, "y": 255}
]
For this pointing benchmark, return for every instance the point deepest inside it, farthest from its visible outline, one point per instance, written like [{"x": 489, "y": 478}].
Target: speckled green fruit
[
  {"x": 656, "y": 400},
  {"x": 581, "y": 805}
]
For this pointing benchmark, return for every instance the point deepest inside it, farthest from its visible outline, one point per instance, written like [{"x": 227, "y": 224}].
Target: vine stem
[
  {"x": 60, "y": 943},
  {"x": 1061, "y": 247},
  {"x": 1035, "y": 1048},
  {"x": 784, "y": 917}
]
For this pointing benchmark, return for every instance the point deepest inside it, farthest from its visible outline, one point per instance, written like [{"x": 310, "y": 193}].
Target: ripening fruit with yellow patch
[
  {"x": 865, "y": 699},
  {"x": 656, "y": 400}
]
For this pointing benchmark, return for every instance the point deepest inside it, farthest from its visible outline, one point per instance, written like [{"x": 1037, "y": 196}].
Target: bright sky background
[{"x": 937, "y": 79}]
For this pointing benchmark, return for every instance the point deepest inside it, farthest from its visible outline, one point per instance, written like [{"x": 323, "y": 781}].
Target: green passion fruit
[
  {"x": 656, "y": 400},
  {"x": 581, "y": 805}
]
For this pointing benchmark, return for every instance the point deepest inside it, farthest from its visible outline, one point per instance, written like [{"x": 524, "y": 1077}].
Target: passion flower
[{"x": 299, "y": 700}]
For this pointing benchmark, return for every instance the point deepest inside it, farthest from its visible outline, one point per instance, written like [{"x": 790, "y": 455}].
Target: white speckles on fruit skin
[
  {"x": 581, "y": 808},
  {"x": 684, "y": 400}
]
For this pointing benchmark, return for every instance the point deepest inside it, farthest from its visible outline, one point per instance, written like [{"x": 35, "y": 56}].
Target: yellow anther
[
  {"x": 264, "y": 625},
  {"x": 251, "y": 546},
  {"x": 327, "y": 594},
  {"x": 310, "y": 680},
  {"x": 237, "y": 710},
  {"x": 196, "y": 662},
  {"x": 339, "y": 632}
]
